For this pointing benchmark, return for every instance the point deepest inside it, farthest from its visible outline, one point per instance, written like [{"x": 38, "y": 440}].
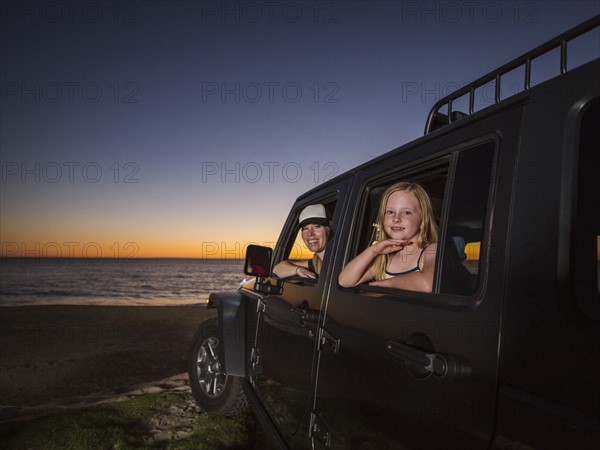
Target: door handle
[
  {"x": 439, "y": 364},
  {"x": 305, "y": 314}
]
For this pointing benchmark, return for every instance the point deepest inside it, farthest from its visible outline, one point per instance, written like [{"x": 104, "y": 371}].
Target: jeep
[{"x": 505, "y": 350}]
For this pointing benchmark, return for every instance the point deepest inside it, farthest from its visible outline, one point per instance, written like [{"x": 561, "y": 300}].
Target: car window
[
  {"x": 586, "y": 231},
  {"x": 459, "y": 185},
  {"x": 432, "y": 175},
  {"x": 464, "y": 225},
  {"x": 295, "y": 249}
]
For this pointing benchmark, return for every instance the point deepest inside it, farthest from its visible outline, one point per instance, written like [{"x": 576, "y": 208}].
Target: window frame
[
  {"x": 423, "y": 166},
  {"x": 586, "y": 291},
  {"x": 290, "y": 233}
]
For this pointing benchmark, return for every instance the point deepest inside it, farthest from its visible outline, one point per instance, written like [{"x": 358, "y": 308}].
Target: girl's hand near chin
[{"x": 390, "y": 246}]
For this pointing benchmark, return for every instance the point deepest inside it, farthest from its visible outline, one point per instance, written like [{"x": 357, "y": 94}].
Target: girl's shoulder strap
[{"x": 421, "y": 254}]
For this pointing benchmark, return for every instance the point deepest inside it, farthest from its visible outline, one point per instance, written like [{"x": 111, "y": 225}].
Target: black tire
[{"x": 214, "y": 391}]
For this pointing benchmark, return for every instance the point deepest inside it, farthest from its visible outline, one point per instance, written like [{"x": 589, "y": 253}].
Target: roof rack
[{"x": 436, "y": 119}]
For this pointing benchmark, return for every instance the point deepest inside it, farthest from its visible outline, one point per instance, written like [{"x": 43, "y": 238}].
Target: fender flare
[{"x": 231, "y": 307}]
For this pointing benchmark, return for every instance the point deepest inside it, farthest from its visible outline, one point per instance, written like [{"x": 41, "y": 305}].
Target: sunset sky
[{"x": 188, "y": 129}]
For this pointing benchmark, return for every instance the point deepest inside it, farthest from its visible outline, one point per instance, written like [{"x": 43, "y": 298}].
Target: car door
[
  {"x": 413, "y": 370},
  {"x": 288, "y": 326}
]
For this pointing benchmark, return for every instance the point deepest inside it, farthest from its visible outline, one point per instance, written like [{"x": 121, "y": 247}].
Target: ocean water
[{"x": 67, "y": 281}]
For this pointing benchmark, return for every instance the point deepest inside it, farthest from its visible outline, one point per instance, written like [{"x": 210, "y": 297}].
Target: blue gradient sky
[{"x": 155, "y": 128}]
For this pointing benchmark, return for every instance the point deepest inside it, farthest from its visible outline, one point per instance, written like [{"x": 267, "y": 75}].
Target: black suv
[{"x": 504, "y": 353}]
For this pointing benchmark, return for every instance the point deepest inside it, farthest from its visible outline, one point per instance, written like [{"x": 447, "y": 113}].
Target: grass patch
[{"x": 127, "y": 425}]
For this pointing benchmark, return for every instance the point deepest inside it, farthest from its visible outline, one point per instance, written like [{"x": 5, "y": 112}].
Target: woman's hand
[
  {"x": 286, "y": 269},
  {"x": 303, "y": 272}
]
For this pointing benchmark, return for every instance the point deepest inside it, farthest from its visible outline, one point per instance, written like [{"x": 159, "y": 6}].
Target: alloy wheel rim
[{"x": 210, "y": 376}]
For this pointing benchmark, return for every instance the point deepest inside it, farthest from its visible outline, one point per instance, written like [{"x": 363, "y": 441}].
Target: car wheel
[{"x": 213, "y": 390}]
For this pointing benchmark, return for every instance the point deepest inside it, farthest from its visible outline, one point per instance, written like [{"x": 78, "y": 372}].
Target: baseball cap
[{"x": 314, "y": 214}]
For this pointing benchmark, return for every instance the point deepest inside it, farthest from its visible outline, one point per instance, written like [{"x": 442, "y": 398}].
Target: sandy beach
[{"x": 73, "y": 354}]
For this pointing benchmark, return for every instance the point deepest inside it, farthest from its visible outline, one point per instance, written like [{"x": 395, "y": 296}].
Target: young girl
[{"x": 403, "y": 254}]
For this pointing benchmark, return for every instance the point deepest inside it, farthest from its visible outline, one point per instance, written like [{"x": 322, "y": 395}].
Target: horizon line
[{"x": 118, "y": 259}]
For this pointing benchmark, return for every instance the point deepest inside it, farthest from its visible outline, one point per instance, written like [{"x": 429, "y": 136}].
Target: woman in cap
[{"x": 315, "y": 232}]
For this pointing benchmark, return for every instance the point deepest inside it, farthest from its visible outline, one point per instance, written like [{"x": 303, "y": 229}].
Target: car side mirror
[
  {"x": 258, "y": 264},
  {"x": 258, "y": 261}
]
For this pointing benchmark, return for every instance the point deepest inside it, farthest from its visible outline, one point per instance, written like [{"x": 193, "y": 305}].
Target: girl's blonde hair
[{"x": 428, "y": 232}]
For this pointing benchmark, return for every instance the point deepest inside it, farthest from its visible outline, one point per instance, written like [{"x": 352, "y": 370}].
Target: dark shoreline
[{"x": 62, "y": 353}]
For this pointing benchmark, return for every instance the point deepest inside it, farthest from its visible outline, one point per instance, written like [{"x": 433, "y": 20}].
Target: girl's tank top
[{"x": 414, "y": 269}]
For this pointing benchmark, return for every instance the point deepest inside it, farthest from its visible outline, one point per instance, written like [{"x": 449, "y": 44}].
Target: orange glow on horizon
[
  {"x": 95, "y": 249},
  {"x": 216, "y": 249}
]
